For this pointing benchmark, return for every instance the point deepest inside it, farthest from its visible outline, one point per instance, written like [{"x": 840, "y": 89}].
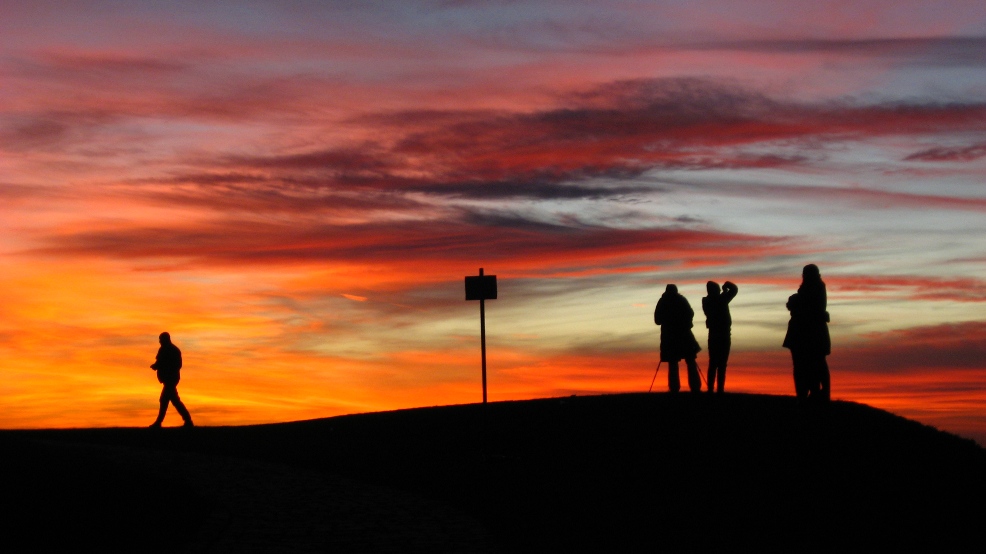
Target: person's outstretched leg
[
  {"x": 163, "y": 409},
  {"x": 182, "y": 410},
  {"x": 674, "y": 383}
]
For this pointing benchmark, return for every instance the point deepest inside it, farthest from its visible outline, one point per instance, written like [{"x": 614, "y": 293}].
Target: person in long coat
[
  {"x": 674, "y": 314},
  {"x": 719, "y": 322},
  {"x": 808, "y": 336}
]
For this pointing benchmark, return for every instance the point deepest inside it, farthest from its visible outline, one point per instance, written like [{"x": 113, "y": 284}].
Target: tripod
[
  {"x": 651, "y": 388},
  {"x": 697, "y": 367}
]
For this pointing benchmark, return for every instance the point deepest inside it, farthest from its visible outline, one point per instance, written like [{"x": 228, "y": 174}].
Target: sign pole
[
  {"x": 481, "y": 287},
  {"x": 482, "y": 335}
]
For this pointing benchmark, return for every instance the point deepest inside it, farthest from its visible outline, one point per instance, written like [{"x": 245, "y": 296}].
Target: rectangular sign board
[{"x": 481, "y": 287}]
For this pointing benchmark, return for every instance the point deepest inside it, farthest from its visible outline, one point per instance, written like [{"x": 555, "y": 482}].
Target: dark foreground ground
[{"x": 619, "y": 473}]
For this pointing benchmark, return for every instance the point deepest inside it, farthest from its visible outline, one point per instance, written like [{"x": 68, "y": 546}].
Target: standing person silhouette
[
  {"x": 793, "y": 342},
  {"x": 808, "y": 336},
  {"x": 674, "y": 315},
  {"x": 719, "y": 322},
  {"x": 168, "y": 367}
]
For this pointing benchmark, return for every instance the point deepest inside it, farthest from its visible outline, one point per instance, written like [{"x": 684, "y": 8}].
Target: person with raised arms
[{"x": 719, "y": 323}]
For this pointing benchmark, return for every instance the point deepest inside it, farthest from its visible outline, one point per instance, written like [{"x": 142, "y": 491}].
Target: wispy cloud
[
  {"x": 612, "y": 133},
  {"x": 913, "y": 287},
  {"x": 918, "y": 349},
  {"x": 950, "y": 154},
  {"x": 519, "y": 246},
  {"x": 943, "y": 51}
]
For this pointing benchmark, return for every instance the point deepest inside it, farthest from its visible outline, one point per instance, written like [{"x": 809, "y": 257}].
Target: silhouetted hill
[{"x": 618, "y": 473}]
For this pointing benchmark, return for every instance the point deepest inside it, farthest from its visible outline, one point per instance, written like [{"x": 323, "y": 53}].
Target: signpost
[{"x": 482, "y": 288}]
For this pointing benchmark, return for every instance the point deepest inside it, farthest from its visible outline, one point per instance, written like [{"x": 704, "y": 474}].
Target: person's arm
[{"x": 729, "y": 290}]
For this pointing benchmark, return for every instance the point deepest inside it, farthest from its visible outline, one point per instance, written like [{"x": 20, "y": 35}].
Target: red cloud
[
  {"x": 916, "y": 288},
  {"x": 619, "y": 130},
  {"x": 921, "y": 287},
  {"x": 520, "y": 246},
  {"x": 919, "y": 349}
]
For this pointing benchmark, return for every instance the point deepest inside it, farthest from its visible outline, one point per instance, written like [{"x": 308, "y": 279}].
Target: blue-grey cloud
[{"x": 943, "y": 51}]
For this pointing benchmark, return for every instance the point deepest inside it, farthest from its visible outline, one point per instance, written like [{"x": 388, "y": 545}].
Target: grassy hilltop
[{"x": 616, "y": 473}]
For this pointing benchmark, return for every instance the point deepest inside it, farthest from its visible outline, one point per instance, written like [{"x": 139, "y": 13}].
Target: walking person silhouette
[
  {"x": 719, "y": 322},
  {"x": 674, "y": 315},
  {"x": 168, "y": 366}
]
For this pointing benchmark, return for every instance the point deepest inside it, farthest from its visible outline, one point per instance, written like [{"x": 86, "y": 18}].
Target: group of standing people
[
  {"x": 674, "y": 314},
  {"x": 807, "y": 335}
]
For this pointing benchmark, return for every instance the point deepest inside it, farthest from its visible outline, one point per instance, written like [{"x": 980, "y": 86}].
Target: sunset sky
[{"x": 296, "y": 190}]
